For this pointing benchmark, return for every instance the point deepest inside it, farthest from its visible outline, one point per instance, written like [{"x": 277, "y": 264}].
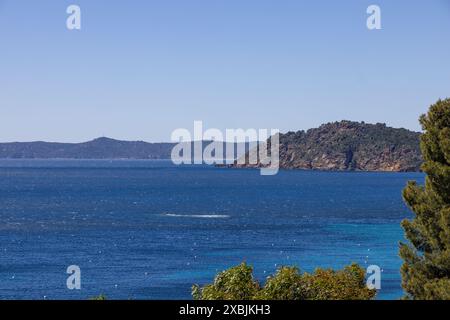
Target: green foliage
[
  {"x": 100, "y": 297},
  {"x": 234, "y": 284},
  {"x": 349, "y": 145},
  {"x": 287, "y": 284},
  {"x": 346, "y": 284},
  {"x": 426, "y": 268}
]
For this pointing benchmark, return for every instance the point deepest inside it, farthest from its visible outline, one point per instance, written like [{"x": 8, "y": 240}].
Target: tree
[
  {"x": 426, "y": 267},
  {"x": 236, "y": 283},
  {"x": 100, "y": 297},
  {"x": 346, "y": 284},
  {"x": 288, "y": 284}
]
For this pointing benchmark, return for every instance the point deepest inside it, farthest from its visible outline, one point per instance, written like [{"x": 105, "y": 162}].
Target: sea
[{"x": 151, "y": 229}]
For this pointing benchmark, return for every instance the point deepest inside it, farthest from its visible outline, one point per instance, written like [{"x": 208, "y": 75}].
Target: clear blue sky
[{"x": 140, "y": 69}]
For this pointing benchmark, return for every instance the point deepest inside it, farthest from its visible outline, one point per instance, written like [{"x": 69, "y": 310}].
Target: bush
[
  {"x": 100, "y": 297},
  {"x": 234, "y": 284},
  {"x": 287, "y": 284}
]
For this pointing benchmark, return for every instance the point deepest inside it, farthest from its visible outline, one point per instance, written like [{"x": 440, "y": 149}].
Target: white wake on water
[{"x": 210, "y": 216}]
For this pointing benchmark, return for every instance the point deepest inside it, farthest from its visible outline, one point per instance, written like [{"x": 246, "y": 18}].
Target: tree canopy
[
  {"x": 426, "y": 267},
  {"x": 288, "y": 283}
]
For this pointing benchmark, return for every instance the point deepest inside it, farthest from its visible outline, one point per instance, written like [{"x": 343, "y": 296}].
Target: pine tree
[{"x": 426, "y": 267}]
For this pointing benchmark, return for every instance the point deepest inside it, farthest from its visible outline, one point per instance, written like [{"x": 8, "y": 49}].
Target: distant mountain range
[
  {"x": 344, "y": 145},
  {"x": 100, "y": 148},
  {"x": 349, "y": 146}
]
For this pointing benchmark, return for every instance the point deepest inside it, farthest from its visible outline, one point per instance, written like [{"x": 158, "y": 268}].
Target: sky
[{"x": 138, "y": 70}]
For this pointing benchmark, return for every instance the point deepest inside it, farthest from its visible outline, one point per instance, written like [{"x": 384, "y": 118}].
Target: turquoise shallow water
[{"x": 149, "y": 230}]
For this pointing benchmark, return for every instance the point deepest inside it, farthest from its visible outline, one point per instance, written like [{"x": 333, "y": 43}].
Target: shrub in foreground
[{"x": 288, "y": 283}]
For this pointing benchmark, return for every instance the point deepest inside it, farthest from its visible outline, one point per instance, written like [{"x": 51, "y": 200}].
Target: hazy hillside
[{"x": 101, "y": 148}]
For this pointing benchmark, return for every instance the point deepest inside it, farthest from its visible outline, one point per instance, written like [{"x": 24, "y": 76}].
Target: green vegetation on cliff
[{"x": 348, "y": 145}]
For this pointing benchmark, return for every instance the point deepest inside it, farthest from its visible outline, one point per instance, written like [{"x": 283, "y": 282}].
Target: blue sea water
[{"x": 149, "y": 229}]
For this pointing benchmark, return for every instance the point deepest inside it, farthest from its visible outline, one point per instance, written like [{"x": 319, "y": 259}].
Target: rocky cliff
[{"x": 348, "y": 145}]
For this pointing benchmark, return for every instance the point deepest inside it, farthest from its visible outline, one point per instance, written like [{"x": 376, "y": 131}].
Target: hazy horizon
[
  {"x": 168, "y": 141},
  {"x": 138, "y": 70}
]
